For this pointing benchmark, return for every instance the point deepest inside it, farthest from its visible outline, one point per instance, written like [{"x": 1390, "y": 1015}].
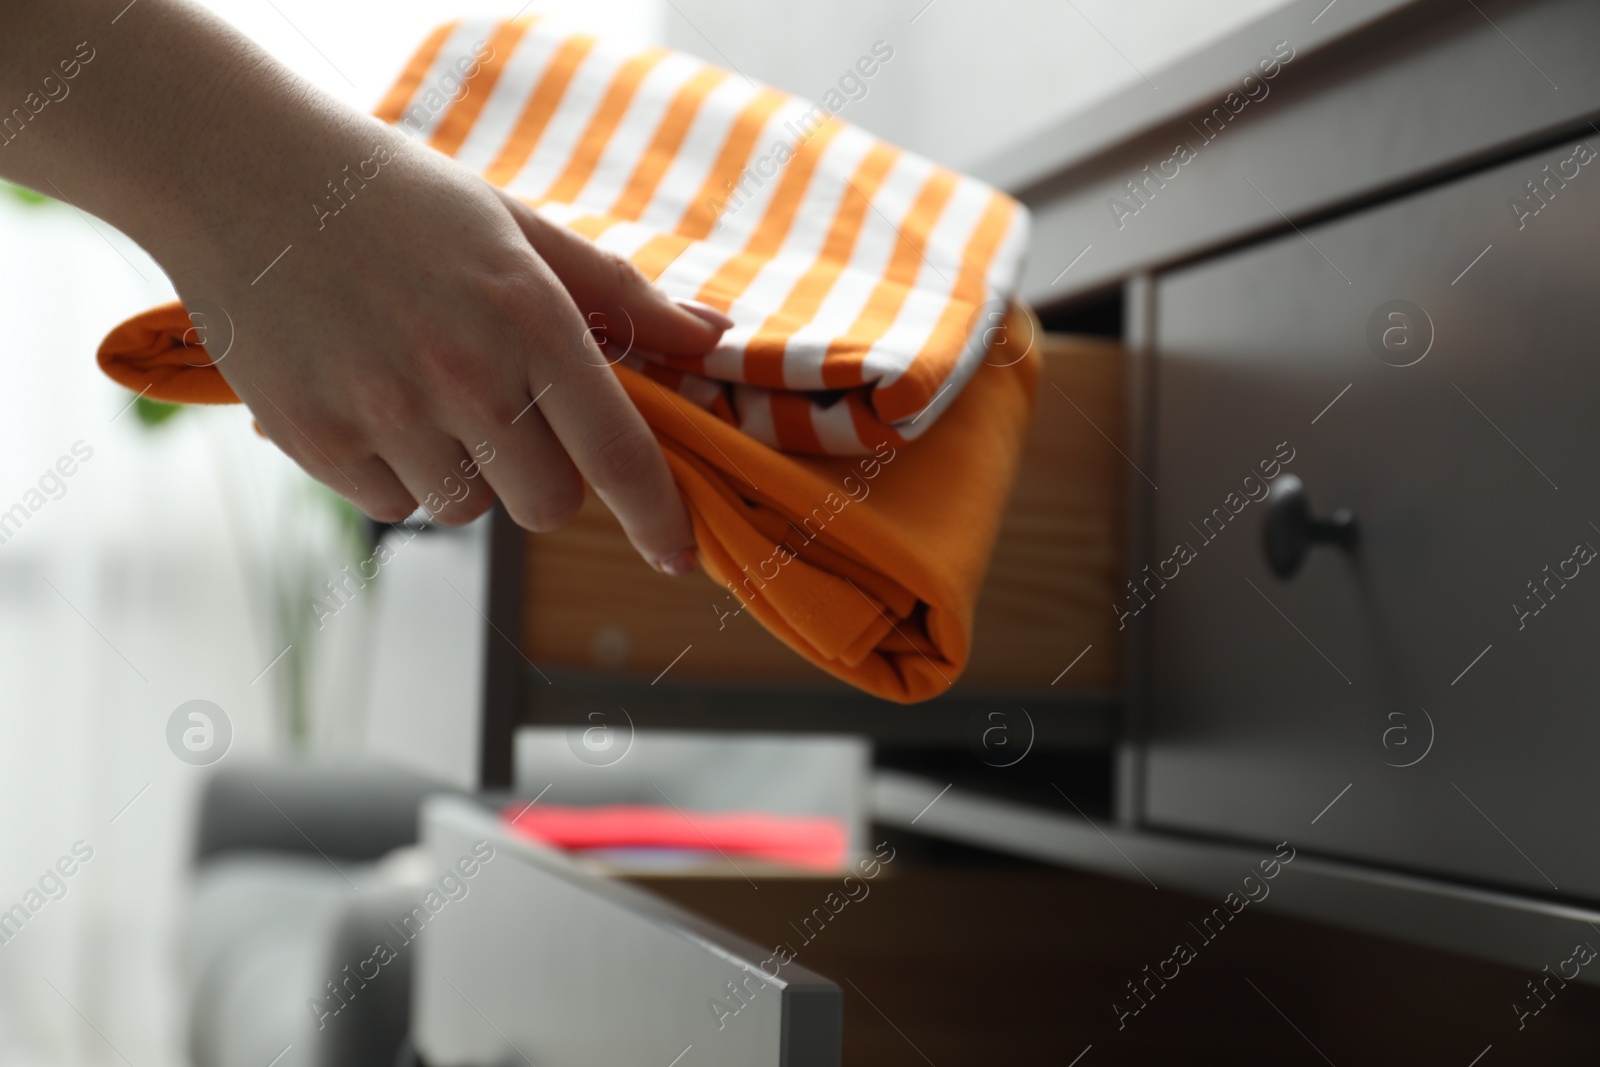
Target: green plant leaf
[
  {"x": 351, "y": 522},
  {"x": 26, "y": 195},
  {"x": 153, "y": 413}
]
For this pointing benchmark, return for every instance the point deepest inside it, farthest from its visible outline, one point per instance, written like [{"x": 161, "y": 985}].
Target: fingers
[
  {"x": 370, "y": 485},
  {"x": 438, "y": 476},
  {"x": 614, "y": 297},
  {"x": 586, "y": 407},
  {"x": 436, "y": 470},
  {"x": 531, "y": 473},
  {"x": 617, "y": 454},
  {"x": 388, "y": 433},
  {"x": 326, "y": 453}
]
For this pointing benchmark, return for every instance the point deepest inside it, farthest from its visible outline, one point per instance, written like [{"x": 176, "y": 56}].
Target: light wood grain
[
  {"x": 1056, "y": 563},
  {"x": 592, "y": 604}
]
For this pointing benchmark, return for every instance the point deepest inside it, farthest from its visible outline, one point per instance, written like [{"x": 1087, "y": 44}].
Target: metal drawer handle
[{"x": 1291, "y": 529}]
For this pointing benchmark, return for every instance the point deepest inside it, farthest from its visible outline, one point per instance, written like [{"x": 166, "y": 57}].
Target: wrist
[
  {"x": 185, "y": 135},
  {"x": 264, "y": 186}
]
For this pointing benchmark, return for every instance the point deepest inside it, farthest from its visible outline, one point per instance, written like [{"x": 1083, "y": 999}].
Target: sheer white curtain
[
  {"x": 142, "y": 580},
  {"x": 145, "y": 579}
]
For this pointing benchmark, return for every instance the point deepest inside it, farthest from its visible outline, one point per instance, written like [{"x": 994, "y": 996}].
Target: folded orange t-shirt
[{"x": 869, "y": 566}]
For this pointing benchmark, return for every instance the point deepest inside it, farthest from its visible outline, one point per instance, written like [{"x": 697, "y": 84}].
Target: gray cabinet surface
[
  {"x": 1432, "y": 364},
  {"x": 1401, "y": 96}
]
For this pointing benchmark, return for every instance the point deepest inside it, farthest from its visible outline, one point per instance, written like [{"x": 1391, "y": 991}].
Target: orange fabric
[
  {"x": 541, "y": 105},
  {"x": 730, "y": 162},
  {"x": 619, "y": 94},
  {"x": 399, "y": 94},
  {"x": 460, "y": 118},
  {"x": 665, "y": 144},
  {"x": 808, "y": 293},
  {"x": 869, "y": 566},
  {"x": 848, "y": 265}
]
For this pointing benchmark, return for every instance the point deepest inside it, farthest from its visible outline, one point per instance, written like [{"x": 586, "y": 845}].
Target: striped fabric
[{"x": 861, "y": 277}]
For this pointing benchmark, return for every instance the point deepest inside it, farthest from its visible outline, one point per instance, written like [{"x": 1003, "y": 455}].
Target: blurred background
[{"x": 175, "y": 565}]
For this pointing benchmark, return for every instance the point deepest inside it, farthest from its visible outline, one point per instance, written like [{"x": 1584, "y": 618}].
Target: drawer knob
[{"x": 1291, "y": 529}]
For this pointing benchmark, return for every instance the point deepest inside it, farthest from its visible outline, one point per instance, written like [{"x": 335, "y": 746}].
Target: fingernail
[
  {"x": 707, "y": 314},
  {"x": 678, "y": 565}
]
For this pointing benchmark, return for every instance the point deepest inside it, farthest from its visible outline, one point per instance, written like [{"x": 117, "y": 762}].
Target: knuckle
[
  {"x": 507, "y": 291},
  {"x": 326, "y": 442},
  {"x": 342, "y": 447},
  {"x": 555, "y": 509},
  {"x": 453, "y": 502},
  {"x": 621, "y": 272},
  {"x": 549, "y": 501},
  {"x": 388, "y": 509},
  {"x": 461, "y": 374},
  {"x": 496, "y": 406},
  {"x": 623, "y": 457},
  {"x": 387, "y": 401},
  {"x": 461, "y": 512}
]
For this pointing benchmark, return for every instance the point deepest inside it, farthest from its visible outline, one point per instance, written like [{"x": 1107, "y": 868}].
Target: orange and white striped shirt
[{"x": 862, "y": 279}]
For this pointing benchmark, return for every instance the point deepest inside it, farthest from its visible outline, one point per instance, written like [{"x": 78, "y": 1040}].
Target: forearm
[
  {"x": 430, "y": 318},
  {"x": 157, "y": 117}
]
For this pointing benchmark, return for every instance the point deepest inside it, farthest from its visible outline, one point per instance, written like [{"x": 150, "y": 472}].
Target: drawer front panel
[
  {"x": 530, "y": 959},
  {"x": 1431, "y": 365}
]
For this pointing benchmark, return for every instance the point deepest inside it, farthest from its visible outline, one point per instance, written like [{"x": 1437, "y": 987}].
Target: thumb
[{"x": 616, "y": 299}]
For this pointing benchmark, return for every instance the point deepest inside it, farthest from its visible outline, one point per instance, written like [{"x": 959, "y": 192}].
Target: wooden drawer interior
[
  {"x": 957, "y": 956},
  {"x": 589, "y": 603}
]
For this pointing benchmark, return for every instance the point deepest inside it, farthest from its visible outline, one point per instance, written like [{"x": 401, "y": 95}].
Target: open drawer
[
  {"x": 542, "y": 962},
  {"x": 589, "y": 604},
  {"x": 954, "y": 956},
  {"x": 606, "y": 630},
  {"x": 930, "y": 951}
]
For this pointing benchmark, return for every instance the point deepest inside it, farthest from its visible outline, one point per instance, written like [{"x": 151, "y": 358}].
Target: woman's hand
[
  {"x": 434, "y": 328},
  {"x": 397, "y": 326}
]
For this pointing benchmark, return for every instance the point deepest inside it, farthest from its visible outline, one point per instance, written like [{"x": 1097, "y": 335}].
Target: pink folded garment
[{"x": 807, "y": 841}]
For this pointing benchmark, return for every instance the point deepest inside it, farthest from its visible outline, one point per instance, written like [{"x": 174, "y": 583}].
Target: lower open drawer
[
  {"x": 547, "y": 963},
  {"x": 944, "y": 955}
]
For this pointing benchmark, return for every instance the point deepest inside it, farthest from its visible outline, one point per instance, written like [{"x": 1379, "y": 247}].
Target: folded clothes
[
  {"x": 811, "y": 842},
  {"x": 860, "y": 279},
  {"x": 856, "y": 273}
]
